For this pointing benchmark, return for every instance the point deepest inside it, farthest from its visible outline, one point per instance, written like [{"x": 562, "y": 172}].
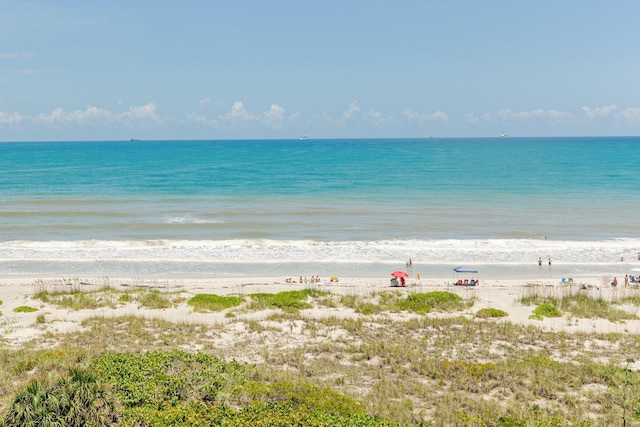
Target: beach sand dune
[{"x": 505, "y": 294}]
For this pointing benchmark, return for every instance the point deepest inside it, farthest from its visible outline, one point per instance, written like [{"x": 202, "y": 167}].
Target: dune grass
[
  {"x": 290, "y": 301},
  {"x": 25, "y": 309},
  {"x": 210, "y": 302},
  {"x": 579, "y": 305},
  {"x": 457, "y": 370},
  {"x": 486, "y": 313}
]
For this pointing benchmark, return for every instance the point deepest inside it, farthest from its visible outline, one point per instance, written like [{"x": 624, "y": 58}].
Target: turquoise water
[{"x": 347, "y": 206}]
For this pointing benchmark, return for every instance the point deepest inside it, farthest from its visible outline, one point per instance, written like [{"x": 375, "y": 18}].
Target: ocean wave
[
  {"x": 188, "y": 219},
  {"x": 445, "y": 251}
]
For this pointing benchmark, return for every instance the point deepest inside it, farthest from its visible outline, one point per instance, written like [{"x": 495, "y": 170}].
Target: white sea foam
[
  {"x": 450, "y": 251},
  {"x": 188, "y": 219},
  {"x": 246, "y": 257}
]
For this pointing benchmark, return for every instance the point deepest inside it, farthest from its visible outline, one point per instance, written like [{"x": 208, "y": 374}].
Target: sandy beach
[
  {"x": 355, "y": 337},
  {"x": 504, "y": 294}
]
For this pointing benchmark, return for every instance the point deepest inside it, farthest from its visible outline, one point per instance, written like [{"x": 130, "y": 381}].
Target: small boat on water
[
  {"x": 303, "y": 137},
  {"x": 503, "y": 135}
]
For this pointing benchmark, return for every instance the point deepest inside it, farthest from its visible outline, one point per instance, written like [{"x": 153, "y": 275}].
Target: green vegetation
[
  {"x": 288, "y": 368},
  {"x": 579, "y": 305},
  {"x": 178, "y": 388},
  {"x": 437, "y": 300},
  {"x": 77, "y": 399},
  {"x": 25, "y": 309},
  {"x": 485, "y": 313},
  {"x": 154, "y": 299},
  {"x": 106, "y": 296},
  {"x": 289, "y": 302},
  {"x": 210, "y": 302},
  {"x": 545, "y": 310}
]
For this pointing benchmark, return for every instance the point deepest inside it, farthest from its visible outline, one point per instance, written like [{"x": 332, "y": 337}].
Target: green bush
[
  {"x": 77, "y": 399},
  {"x": 24, "y": 309},
  {"x": 154, "y": 299},
  {"x": 491, "y": 313},
  {"x": 159, "y": 378},
  {"x": 545, "y": 310},
  {"x": 210, "y": 302},
  {"x": 256, "y": 414},
  {"x": 423, "y": 303},
  {"x": 290, "y": 301}
]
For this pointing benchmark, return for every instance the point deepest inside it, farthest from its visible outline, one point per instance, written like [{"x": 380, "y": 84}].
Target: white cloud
[
  {"x": 275, "y": 113},
  {"x": 375, "y": 118},
  {"x": 353, "y": 108},
  {"x": 60, "y": 116},
  {"x": 509, "y": 114},
  {"x": 147, "y": 112},
  {"x": 238, "y": 112},
  {"x": 205, "y": 101},
  {"x": 11, "y": 118},
  {"x": 631, "y": 114},
  {"x": 600, "y": 111},
  {"x": 94, "y": 115},
  {"x": 414, "y": 116},
  {"x": 239, "y": 116}
]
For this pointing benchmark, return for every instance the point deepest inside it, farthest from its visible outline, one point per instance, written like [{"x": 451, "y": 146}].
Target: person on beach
[
  {"x": 626, "y": 280},
  {"x": 614, "y": 283},
  {"x": 402, "y": 282},
  {"x": 549, "y": 262},
  {"x": 539, "y": 261}
]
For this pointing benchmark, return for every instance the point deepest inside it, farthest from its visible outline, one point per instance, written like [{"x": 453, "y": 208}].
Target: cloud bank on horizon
[
  {"x": 226, "y": 70},
  {"x": 276, "y": 122}
]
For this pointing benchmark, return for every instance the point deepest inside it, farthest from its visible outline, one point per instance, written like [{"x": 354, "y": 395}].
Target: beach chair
[
  {"x": 333, "y": 279},
  {"x": 459, "y": 283},
  {"x": 472, "y": 282},
  {"x": 466, "y": 282}
]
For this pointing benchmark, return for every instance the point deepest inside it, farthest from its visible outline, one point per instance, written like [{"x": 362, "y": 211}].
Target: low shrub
[
  {"x": 545, "y": 310},
  {"x": 77, "y": 399},
  {"x": 423, "y": 303},
  {"x": 210, "y": 302},
  {"x": 491, "y": 313},
  {"x": 154, "y": 299},
  {"x": 290, "y": 301},
  {"x": 24, "y": 309}
]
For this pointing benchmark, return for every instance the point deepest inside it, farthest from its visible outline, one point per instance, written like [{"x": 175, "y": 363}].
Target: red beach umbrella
[{"x": 399, "y": 274}]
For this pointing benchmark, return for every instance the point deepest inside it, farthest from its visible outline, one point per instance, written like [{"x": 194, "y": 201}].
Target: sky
[{"x": 277, "y": 69}]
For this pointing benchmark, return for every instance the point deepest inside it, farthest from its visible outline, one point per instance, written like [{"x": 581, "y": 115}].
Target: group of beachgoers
[
  {"x": 394, "y": 282},
  {"x": 627, "y": 279},
  {"x": 540, "y": 262},
  {"x": 313, "y": 279}
]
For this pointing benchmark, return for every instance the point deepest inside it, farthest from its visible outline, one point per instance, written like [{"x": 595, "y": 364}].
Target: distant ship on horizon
[
  {"x": 303, "y": 136},
  {"x": 503, "y": 135}
]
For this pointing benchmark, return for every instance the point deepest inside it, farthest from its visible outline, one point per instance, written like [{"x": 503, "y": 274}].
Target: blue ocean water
[{"x": 348, "y": 207}]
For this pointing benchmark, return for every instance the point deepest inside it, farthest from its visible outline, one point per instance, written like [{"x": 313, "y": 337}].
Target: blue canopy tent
[{"x": 466, "y": 270}]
